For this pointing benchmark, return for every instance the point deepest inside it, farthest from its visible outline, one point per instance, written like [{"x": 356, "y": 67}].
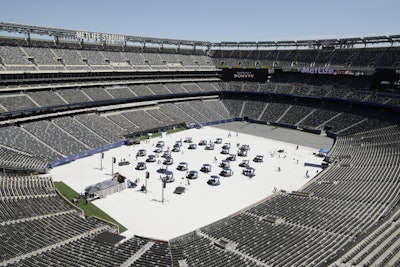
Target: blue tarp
[{"x": 87, "y": 153}]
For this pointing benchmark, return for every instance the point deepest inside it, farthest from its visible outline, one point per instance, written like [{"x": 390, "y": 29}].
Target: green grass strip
[{"x": 89, "y": 209}]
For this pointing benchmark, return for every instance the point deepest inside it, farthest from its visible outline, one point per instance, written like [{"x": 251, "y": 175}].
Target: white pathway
[{"x": 145, "y": 215}]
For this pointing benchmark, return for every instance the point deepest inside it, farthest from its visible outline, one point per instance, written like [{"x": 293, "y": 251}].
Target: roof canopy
[{"x": 97, "y": 37}]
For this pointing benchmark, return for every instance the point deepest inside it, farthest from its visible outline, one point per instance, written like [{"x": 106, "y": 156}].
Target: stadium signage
[
  {"x": 100, "y": 37},
  {"x": 317, "y": 70},
  {"x": 243, "y": 75}
]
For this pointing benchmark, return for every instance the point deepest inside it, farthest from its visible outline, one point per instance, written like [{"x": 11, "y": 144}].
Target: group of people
[
  {"x": 229, "y": 134},
  {"x": 75, "y": 200}
]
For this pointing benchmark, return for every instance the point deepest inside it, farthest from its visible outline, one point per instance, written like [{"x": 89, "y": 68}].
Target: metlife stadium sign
[
  {"x": 317, "y": 70},
  {"x": 100, "y": 37},
  {"x": 242, "y": 74}
]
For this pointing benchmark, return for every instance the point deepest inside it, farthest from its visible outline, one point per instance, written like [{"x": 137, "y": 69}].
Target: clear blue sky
[{"x": 213, "y": 20}]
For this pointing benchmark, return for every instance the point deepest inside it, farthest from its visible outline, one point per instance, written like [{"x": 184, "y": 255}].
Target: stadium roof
[
  {"x": 315, "y": 43},
  {"x": 78, "y": 35}
]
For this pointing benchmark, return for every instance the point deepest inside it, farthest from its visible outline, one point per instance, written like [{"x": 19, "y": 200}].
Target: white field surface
[{"x": 144, "y": 214}]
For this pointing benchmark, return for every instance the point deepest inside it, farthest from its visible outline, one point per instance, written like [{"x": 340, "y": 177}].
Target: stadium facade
[{"x": 66, "y": 94}]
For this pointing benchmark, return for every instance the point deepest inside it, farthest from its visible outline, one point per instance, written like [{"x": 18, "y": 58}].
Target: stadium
[{"x": 67, "y": 96}]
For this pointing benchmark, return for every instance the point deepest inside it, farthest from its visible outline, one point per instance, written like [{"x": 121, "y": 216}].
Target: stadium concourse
[{"x": 149, "y": 215}]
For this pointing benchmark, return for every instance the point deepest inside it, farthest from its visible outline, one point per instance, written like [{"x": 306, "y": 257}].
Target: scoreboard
[
  {"x": 245, "y": 74},
  {"x": 386, "y": 78}
]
